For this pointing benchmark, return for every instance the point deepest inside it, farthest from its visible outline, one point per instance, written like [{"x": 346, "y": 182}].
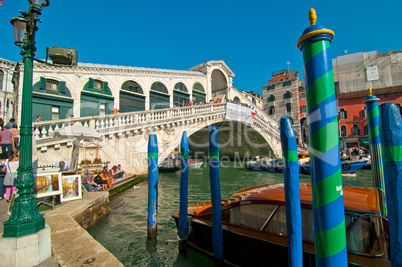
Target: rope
[{"x": 189, "y": 229}]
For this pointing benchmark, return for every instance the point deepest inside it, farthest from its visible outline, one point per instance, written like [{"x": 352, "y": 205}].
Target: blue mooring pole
[
  {"x": 292, "y": 194},
  {"x": 153, "y": 173},
  {"x": 183, "y": 222},
  {"x": 217, "y": 237},
  {"x": 391, "y": 140}
]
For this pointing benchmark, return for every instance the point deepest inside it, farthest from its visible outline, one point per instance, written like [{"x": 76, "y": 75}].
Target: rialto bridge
[{"x": 123, "y": 137}]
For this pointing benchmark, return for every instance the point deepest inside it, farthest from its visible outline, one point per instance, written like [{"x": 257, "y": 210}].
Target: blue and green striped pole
[
  {"x": 326, "y": 175},
  {"x": 153, "y": 173},
  {"x": 217, "y": 236},
  {"x": 292, "y": 194},
  {"x": 391, "y": 140},
  {"x": 183, "y": 222},
  {"x": 373, "y": 121}
]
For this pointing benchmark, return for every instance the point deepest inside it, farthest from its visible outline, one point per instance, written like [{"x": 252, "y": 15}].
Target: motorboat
[
  {"x": 166, "y": 169},
  {"x": 254, "y": 227},
  {"x": 347, "y": 166},
  {"x": 265, "y": 164},
  {"x": 195, "y": 164}
]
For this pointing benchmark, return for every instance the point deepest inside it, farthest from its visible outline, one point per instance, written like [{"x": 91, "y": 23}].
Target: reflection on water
[{"x": 124, "y": 231}]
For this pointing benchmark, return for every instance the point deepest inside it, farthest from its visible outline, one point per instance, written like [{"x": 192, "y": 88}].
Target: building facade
[
  {"x": 282, "y": 97},
  {"x": 353, "y": 75},
  {"x": 9, "y": 79},
  {"x": 97, "y": 89}
]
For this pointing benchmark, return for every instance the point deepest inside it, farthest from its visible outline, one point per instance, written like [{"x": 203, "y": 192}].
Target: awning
[{"x": 364, "y": 141}]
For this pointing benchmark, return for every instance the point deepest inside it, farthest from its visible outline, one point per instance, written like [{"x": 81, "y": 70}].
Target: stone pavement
[{"x": 71, "y": 244}]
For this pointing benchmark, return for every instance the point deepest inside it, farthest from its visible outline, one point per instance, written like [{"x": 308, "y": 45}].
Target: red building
[
  {"x": 353, "y": 121},
  {"x": 353, "y": 75}
]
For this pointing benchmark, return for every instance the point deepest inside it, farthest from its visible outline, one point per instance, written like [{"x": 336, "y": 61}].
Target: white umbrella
[{"x": 77, "y": 131}]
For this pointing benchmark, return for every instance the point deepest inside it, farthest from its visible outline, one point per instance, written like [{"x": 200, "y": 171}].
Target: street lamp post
[{"x": 25, "y": 218}]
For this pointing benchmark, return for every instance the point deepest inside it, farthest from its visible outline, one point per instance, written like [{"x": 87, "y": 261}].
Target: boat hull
[
  {"x": 168, "y": 169},
  {"x": 349, "y": 167},
  {"x": 241, "y": 249}
]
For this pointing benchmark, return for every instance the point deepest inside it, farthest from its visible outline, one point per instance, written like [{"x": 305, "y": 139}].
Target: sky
[{"x": 254, "y": 38}]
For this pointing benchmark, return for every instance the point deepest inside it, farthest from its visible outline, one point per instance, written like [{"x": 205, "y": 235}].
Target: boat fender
[{"x": 346, "y": 166}]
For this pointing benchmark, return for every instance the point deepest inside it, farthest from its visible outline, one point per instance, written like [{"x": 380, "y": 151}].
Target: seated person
[
  {"x": 89, "y": 183},
  {"x": 120, "y": 172},
  {"x": 106, "y": 176},
  {"x": 64, "y": 165},
  {"x": 100, "y": 179}
]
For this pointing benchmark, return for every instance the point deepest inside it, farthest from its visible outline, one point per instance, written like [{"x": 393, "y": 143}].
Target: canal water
[{"x": 124, "y": 231}]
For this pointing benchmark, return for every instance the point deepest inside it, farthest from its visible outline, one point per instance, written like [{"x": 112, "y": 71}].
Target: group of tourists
[
  {"x": 354, "y": 152},
  {"x": 104, "y": 179},
  {"x": 8, "y": 174},
  {"x": 9, "y": 137}
]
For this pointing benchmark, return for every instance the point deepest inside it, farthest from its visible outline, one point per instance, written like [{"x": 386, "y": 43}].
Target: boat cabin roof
[{"x": 356, "y": 199}]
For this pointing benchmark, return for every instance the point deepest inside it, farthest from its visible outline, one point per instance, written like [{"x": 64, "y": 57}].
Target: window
[
  {"x": 355, "y": 130},
  {"x": 302, "y": 95},
  {"x": 55, "y": 113},
  {"x": 271, "y": 98},
  {"x": 288, "y": 107},
  {"x": 271, "y": 111},
  {"x": 287, "y": 95},
  {"x": 102, "y": 109},
  {"x": 52, "y": 85},
  {"x": 342, "y": 114},
  {"x": 303, "y": 109},
  {"x": 271, "y": 87},
  {"x": 287, "y": 83},
  {"x": 98, "y": 85},
  {"x": 134, "y": 87},
  {"x": 343, "y": 130},
  {"x": 365, "y": 112},
  {"x": 365, "y": 129},
  {"x": 180, "y": 87}
]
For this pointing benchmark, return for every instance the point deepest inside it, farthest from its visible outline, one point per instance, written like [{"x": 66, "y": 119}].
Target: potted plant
[{"x": 97, "y": 160}]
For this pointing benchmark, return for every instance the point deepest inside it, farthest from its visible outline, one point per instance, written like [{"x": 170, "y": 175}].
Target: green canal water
[{"x": 124, "y": 231}]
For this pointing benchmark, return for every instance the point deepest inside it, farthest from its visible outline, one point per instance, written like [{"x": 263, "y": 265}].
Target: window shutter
[
  {"x": 105, "y": 86},
  {"x": 91, "y": 83},
  {"x": 42, "y": 83},
  {"x": 63, "y": 88}
]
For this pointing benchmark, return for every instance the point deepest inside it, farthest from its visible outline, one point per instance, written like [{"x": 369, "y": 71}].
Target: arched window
[
  {"x": 132, "y": 86},
  {"x": 365, "y": 112},
  {"x": 180, "y": 87},
  {"x": 271, "y": 98},
  {"x": 342, "y": 114},
  {"x": 343, "y": 130},
  {"x": 287, "y": 95},
  {"x": 158, "y": 96},
  {"x": 365, "y": 129},
  {"x": 271, "y": 111},
  {"x": 355, "y": 130},
  {"x": 198, "y": 93},
  {"x": 181, "y": 97},
  {"x": 237, "y": 100}
]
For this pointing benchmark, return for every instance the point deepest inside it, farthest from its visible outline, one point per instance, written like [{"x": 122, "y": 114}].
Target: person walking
[
  {"x": 7, "y": 141},
  {"x": 16, "y": 135}
]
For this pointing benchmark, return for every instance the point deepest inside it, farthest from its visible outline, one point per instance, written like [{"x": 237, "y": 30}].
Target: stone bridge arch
[{"x": 125, "y": 135}]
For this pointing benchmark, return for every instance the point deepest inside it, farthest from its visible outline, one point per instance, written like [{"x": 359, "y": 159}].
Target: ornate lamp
[{"x": 25, "y": 218}]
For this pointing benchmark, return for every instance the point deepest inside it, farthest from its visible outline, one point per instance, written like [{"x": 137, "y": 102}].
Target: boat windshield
[{"x": 365, "y": 233}]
